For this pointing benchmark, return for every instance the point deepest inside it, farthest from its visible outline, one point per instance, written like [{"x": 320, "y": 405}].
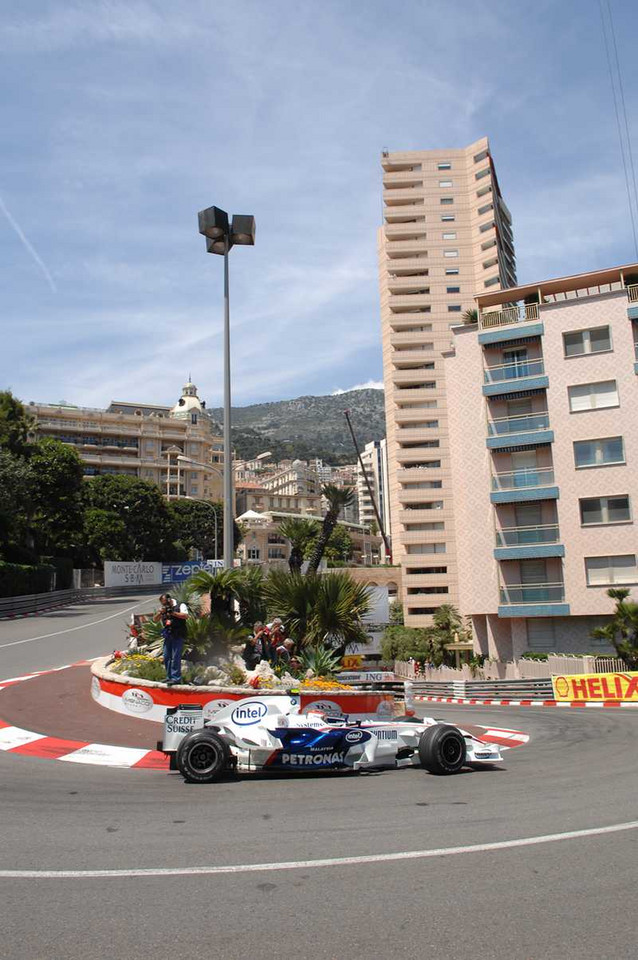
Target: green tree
[
  {"x": 15, "y": 424},
  {"x": 143, "y": 511},
  {"x": 105, "y": 533},
  {"x": 340, "y": 546},
  {"x": 57, "y": 502},
  {"x": 300, "y": 532},
  {"x": 338, "y": 498},
  {"x": 16, "y": 489},
  {"x": 396, "y": 613},
  {"x": 323, "y": 610},
  {"x": 198, "y": 525},
  {"x": 622, "y": 631}
]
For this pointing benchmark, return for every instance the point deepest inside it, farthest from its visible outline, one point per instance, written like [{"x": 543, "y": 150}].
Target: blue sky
[{"x": 122, "y": 118}]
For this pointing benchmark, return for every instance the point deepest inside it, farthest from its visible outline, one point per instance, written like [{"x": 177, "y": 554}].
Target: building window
[
  {"x": 607, "y": 571},
  {"x": 482, "y": 173},
  {"x": 492, "y": 281},
  {"x": 480, "y": 156},
  {"x": 448, "y": 218},
  {"x": 424, "y": 571},
  {"x": 447, "y": 200},
  {"x": 449, "y": 236},
  {"x": 453, "y": 289},
  {"x": 444, "y": 166},
  {"x": 445, "y": 183},
  {"x": 599, "y": 453},
  {"x": 422, "y": 611},
  {"x": 485, "y": 209},
  {"x": 450, "y": 253},
  {"x": 425, "y": 548},
  {"x": 541, "y": 634},
  {"x": 593, "y": 396},
  {"x": 484, "y": 190},
  {"x": 595, "y": 510},
  {"x": 454, "y": 308},
  {"x": 595, "y": 340},
  {"x": 452, "y": 271},
  {"x": 252, "y": 553},
  {"x": 412, "y": 527},
  {"x": 486, "y": 226}
]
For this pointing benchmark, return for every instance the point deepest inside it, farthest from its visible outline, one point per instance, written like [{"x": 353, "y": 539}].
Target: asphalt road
[{"x": 562, "y": 898}]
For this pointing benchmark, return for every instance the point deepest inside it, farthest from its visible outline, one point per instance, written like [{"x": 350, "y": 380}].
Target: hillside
[{"x": 308, "y": 426}]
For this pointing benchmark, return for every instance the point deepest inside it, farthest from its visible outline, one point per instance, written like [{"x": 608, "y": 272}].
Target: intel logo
[
  {"x": 353, "y": 736},
  {"x": 247, "y": 713}
]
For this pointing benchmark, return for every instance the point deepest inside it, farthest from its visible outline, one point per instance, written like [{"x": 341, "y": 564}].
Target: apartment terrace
[{"x": 524, "y": 304}]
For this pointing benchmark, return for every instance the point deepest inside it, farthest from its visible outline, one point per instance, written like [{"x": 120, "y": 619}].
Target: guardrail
[
  {"x": 485, "y": 689},
  {"x": 38, "y": 602}
]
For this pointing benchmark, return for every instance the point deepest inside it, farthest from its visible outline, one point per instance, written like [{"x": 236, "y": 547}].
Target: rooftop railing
[
  {"x": 526, "y": 423},
  {"x": 533, "y": 593},
  {"x": 523, "y": 479},
  {"x": 523, "y": 536},
  {"x": 632, "y": 292},
  {"x": 519, "y": 313},
  {"x": 513, "y": 371}
]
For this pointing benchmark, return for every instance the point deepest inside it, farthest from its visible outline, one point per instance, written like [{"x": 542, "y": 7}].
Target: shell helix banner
[{"x": 596, "y": 687}]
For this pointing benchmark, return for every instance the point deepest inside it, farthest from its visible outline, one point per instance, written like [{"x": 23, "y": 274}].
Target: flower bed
[{"x": 150, "y": 699}]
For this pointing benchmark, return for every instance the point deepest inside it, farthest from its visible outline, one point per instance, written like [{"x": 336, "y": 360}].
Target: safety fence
[
  {"x": 521, "y": 669},
  {"x": 31, "y": 604}
]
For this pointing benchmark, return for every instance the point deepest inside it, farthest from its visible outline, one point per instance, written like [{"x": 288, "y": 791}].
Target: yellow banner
[
  {"x": 596, "y": 687},
  {"x": 352, "y": 661}
]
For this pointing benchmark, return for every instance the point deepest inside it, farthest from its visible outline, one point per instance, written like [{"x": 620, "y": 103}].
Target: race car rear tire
[
  {"x": 442, "y": 749},
  {"x": 202, "y": 757}
]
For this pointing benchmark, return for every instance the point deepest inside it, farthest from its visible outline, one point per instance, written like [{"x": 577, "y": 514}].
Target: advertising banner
[
  {"x": 588, "y": 687},
  {"x": 125, "y": 573},
  {"x": 179, "y": 572}
]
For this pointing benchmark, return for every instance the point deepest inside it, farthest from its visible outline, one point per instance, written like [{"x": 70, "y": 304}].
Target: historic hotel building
[{"x": 446, "y": 236}]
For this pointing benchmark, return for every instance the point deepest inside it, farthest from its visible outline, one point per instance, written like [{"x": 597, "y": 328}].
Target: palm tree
[
  {"x": 470, "y": 316},
  {"x": 338, "y": 498},
  {"x": 299, "y": 532},
  {"x": 622, "y": 631},
  {"x": 326, "y": 610}
]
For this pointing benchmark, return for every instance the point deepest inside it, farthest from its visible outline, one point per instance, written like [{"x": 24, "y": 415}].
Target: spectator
[
  {"x": 173, "y": 619},
  {"x": 283, "y": 652}
]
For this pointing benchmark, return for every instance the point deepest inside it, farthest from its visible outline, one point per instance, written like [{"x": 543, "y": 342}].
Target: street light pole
[
  {"x": 220, "y": 237},
  {"x": 229, "y": 512}
]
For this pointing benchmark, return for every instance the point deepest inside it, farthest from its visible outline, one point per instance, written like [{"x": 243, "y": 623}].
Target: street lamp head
[
  {"x": 213, "y": 223},
  {"x": 243, "y": 230},
  {"x": 218, "y": 245}
]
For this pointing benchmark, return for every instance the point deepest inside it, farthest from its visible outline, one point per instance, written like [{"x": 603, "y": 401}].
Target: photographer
[{"x": 173, "y": 622}]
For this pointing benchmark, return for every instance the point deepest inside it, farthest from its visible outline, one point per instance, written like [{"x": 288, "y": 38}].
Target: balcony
[
  {"x": 632, "y": 296},
  {"x": 530, "y": 429},
  {"x": 520, "y": 486},
  {"x": 403, "y": 212},
  {"x": 406, "y": 230},
  {"x": 511, "y": 323},
  {"x": 514, "y": 377},
  {"x": 398, "y": 250},
  {"x": 402, "y": 178},
  {"x": 525, "y": 543},
  {"x": 533, "y": 600}
]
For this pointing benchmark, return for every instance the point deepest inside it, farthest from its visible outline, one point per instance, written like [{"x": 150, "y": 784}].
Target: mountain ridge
[{"x": 308, "y": 426}]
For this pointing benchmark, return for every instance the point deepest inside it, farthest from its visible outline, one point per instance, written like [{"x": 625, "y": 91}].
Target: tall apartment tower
[{"x": 446, "y": 237}]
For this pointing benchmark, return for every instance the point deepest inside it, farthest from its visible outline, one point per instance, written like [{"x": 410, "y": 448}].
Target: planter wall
[{"x": 149, "y": 700}]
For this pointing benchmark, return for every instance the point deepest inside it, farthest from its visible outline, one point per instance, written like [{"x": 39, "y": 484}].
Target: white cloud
[{"x": 369, "y": 385}]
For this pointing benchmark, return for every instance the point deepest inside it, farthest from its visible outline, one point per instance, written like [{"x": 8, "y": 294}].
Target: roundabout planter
[{"x": 149, "y": 700}]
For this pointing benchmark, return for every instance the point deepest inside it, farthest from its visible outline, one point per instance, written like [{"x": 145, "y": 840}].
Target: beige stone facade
[
  {"x": 446, "y": 237},
  {"x": 142, "y": 440},
  {"x": 262, "y": 544}
]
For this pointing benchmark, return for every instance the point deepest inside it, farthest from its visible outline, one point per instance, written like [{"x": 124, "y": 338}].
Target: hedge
[{"x": 17, "y": 580}]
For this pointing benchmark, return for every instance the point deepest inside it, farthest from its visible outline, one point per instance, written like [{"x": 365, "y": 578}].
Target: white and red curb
[
  {"x": 17, "y": 740},
  {"x": 528, "y": 703}
]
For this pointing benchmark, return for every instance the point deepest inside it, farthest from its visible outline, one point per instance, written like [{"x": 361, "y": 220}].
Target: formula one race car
[{"x": 269, "y": 733}]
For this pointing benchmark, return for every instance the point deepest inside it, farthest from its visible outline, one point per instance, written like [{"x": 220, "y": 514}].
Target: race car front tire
[
  {"x": 442, "y": 749},
  {"x": 202, "y": 757}
]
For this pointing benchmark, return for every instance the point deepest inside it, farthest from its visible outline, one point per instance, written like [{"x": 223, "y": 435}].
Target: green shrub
[
  {"x": 321, "y": 660},
  {"x": 534, "y": 655},
  {"x": 18, "y": 580}
]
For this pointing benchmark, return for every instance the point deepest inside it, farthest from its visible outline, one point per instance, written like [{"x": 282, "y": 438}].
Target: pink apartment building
[
  {"x": 543, "y": 432},
  {"x": 447, "y": 235}
]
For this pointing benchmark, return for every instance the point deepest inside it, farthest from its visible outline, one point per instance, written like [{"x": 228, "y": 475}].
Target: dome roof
[{"x": 188, "y": 403}]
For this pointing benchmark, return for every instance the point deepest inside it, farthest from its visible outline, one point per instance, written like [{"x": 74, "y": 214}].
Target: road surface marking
[
  {"x": 311, "y": 864},
  {"x": 84, "y": 626}
]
